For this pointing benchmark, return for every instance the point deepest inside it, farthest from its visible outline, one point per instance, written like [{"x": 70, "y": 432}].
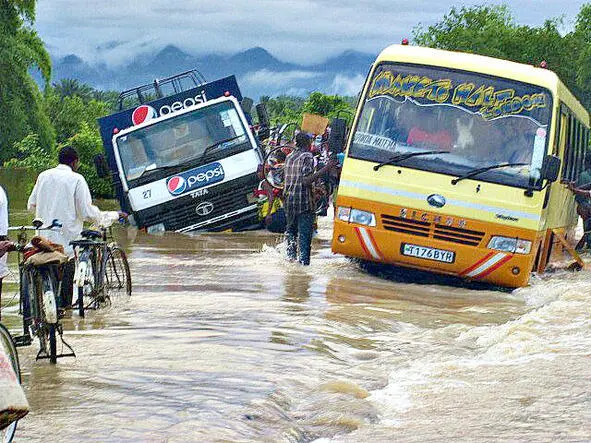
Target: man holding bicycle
[{"x": 63, "y": 194}]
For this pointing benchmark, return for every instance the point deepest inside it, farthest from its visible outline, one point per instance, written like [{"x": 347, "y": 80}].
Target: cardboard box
[{"x": 316, "y": 124}]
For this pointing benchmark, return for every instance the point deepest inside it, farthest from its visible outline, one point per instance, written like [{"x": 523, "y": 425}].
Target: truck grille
[
  {"x": 432, "y": 230},
  {"x": 180, "y": 213}
]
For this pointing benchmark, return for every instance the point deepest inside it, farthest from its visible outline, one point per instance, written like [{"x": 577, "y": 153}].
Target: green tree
[
  {"x": 88, "y": 143},
  {"x": 31, "y": 155},
  {"x": 68, "y": 114},
  {"x": 328, "y": 105},
  {"x": 492, "y": 31},
  {"x": 582, "y": 37},
  {"x": 21, "y": 50}
]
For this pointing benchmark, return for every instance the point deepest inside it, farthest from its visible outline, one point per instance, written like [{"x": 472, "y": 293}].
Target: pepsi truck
[{"x": 183, "y": 158}]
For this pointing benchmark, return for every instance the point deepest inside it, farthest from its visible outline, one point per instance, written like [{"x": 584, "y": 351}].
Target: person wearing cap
[
  {"x": 298, "y": 199},
  {"x": 62, "y": 194}
]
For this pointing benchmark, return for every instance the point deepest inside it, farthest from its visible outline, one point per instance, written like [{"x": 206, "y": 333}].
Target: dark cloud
[{"x": 302, "y": 31}]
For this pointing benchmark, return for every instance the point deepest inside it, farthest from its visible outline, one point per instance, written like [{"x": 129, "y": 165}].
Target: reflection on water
[{"x": 223, "y": 339}]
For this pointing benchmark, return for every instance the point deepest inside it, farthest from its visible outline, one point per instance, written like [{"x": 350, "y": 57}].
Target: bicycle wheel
[
  {"x": 116, "y": 276},
  {"x": 287, "y": 133},
  {"x": 274, "y": 164},
  {"x": 6, "y": 342},
  {"x": 84, "y": 282},
  {"x": 47, "y": 306}
]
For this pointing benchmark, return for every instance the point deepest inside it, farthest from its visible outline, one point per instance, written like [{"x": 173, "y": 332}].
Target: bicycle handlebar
[{"x": 37, "y": 227}]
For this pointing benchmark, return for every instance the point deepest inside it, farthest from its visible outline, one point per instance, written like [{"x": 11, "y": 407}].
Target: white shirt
[
  {"x": 3, "y": 212},
  {"x": 63, "y": 194},
  {"x": 3, "y": 230}
]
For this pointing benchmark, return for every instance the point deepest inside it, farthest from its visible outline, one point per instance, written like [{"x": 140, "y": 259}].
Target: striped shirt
[{"x": 297, "y": 196}]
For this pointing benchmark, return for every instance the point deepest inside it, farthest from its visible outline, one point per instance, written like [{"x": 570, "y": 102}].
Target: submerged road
[{"x": 224, "y": 340}]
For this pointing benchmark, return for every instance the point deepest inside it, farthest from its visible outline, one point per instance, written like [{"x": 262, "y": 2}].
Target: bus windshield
[
  {"x": 188, "y": 140},
  {"x": 467, "y": 121}
]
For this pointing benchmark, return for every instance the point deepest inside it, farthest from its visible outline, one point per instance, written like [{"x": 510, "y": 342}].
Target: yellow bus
[{"x": 457, "y": 164}]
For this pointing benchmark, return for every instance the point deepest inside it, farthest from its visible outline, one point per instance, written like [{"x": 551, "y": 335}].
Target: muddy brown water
[{"x": 224, "y": 340}]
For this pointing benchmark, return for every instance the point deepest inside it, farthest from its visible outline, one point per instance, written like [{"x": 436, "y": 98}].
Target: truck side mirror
[
  {"x": 550, "y": 168},
  {"x": 101, "y": 166},
  {"x": 246, "y": 104},
  {"x": 336, "y": 140},
  {"x": 264, "y": 123}
]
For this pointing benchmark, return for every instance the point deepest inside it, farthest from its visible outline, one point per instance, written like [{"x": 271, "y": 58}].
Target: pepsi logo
[
  {"x": 176, "y": 185},
  {"x": 143, "y": 114}
]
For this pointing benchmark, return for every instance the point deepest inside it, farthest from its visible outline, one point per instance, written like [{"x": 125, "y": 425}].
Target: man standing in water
[
  {"x": 298, "y": 198},
  {"x": 63, "y": 194}
]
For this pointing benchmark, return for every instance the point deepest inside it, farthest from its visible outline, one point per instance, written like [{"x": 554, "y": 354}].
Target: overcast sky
[{"x": 302, "y": 31}]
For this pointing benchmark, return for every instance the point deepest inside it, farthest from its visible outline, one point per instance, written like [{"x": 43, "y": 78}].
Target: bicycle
[
  {"x": 102, "y": 270},
  {"x": 7, "y": 344},
  {"x": 39, "y": 286}
]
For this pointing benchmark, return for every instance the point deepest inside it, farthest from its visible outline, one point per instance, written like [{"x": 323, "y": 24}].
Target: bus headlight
[
  {"x": 343, "y": 213},
  {"x": 362, "y": 217},
  {"x": 510, "y": 244}
]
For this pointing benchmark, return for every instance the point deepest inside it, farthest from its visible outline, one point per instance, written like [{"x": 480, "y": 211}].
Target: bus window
[{"x": 457, "y": 114}]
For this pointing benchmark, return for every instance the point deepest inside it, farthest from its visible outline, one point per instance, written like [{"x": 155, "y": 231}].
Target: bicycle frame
[
  {"x": 39, "y": 286},
  {"x": 92, "y": 256}
]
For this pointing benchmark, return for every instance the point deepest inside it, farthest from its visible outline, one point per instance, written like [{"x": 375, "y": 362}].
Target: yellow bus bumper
[{"x": 470, "y": 262}]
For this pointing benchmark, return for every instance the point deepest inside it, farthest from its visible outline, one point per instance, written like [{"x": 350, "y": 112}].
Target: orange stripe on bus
[
  {"x": 360, "y": 237},
  {"x": 494, "y": 267},
  {"x": 478, "y": 263},
  {"x": 375, "y": 243}
]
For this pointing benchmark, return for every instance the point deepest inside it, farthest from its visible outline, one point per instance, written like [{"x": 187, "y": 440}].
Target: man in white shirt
[
  {"x": 3, "y": 235},
  {"x": 63, "y": 194}
]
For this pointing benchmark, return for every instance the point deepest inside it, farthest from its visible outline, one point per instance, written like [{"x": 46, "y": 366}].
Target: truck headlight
[
  {"x": 156, "y": 229},
  {"x": 362, "y": 217},
  {"x": 510, "y": 244}
]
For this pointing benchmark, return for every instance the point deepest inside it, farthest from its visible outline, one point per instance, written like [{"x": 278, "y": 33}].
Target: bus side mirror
[
  {"x": 338, "y": 131},
  {"x": 101, "y": 166},
  {"x": 550, "y": 168}
]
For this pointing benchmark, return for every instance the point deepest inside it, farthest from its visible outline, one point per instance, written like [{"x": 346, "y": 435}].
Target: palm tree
[{"x": 70, "y": 87}]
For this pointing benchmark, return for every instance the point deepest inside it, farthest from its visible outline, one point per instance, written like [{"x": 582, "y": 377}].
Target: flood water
[{"x": 224, "y": 340}]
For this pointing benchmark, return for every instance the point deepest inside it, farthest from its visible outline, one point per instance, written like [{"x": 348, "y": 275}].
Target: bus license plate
[{"x": 428, "y": 253}]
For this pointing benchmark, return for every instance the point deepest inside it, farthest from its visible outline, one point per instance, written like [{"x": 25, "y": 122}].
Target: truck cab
[{"x": 186, "y": 161}]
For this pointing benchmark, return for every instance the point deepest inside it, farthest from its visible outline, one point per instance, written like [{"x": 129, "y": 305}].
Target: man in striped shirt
[{"x": 298, "y": 198}]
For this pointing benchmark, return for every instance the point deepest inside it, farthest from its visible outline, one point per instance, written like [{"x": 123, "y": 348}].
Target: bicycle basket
[
  {"x": 45, "y": 245},
  {"x": 41, "y": 258}
]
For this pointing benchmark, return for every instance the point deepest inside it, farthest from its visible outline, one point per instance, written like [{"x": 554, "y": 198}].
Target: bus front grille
[
  {"x": 406, "y": 226},
  {"x": 427, "y": 229},
  {"x": 458, "y": 235}
]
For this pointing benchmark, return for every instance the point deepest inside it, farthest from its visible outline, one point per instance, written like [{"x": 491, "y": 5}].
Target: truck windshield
[
  {"x": 470, "y": 121},
  {"x": 188, "y": 140}
]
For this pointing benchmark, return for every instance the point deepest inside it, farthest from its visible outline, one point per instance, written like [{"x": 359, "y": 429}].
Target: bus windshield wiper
[
  {"x": 475, "y": 172},
  {"x": 401, "y": 157}
]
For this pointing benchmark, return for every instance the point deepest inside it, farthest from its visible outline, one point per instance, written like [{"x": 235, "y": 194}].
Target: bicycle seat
[
  {"x": 84, "y": 243},
  {"x": 91, "y": 234}
]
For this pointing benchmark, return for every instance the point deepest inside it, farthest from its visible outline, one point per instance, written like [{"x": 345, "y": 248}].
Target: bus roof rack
[{"x": 158, "y": 88}]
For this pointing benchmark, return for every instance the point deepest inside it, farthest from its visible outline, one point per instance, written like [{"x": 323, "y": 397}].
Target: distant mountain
[{"x": 258, "y": 72}]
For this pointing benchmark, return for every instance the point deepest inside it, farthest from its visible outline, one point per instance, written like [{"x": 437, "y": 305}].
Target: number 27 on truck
[{"x": 453, "y": 163}]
